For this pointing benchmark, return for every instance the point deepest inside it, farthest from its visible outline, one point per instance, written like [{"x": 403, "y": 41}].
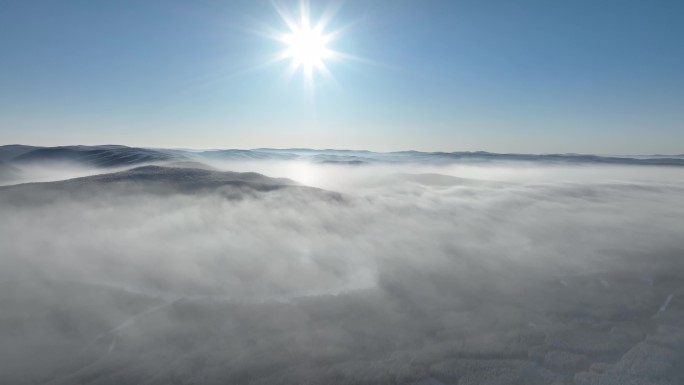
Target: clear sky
[{"x": 588, "y": 76}]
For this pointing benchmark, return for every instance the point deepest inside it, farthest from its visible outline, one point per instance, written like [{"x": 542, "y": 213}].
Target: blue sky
[{"x": 588, "y": 76}]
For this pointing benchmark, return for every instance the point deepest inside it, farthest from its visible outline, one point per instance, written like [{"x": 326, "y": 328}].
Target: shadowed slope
[
  {"x": 12, "y": 151},
  {"x": 155, "y": 180},
  {"x": 97, "y": 156}
]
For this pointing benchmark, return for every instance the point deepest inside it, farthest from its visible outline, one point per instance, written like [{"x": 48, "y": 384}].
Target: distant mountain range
[{"x": 112, "y": 156}]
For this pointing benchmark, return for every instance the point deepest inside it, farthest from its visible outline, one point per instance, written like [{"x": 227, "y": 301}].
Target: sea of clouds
[
  {"x": 543, "y": 219},
  {"x": 430, "y": 238}
]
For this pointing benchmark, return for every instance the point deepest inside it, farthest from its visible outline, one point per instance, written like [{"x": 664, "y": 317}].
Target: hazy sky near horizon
[{"x": 538, "y": 76}]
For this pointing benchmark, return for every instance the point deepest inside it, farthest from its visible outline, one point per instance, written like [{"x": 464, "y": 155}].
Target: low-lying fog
[
  {"x": 350, "y": 178},
  {"x": 50, "y": 172},
  {"x": 413, "y": 256}
]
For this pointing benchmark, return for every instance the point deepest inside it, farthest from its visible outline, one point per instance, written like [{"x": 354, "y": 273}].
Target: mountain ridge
[
  {"x": 109, "y": 156},
  {"x": 156, "y": 180}
]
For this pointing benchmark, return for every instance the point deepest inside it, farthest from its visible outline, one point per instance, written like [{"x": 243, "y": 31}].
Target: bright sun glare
[
  {"x": 306, "y": 43},
  {"x": 307, "y": 47}
]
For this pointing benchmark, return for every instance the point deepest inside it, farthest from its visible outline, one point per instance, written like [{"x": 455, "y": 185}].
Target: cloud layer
[{"x": 425, "y": 253}]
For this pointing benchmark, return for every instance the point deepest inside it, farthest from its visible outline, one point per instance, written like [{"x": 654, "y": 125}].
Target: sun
[
  {"x": 307, "y": 47},
  {"x": 306, "y": 42}
]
